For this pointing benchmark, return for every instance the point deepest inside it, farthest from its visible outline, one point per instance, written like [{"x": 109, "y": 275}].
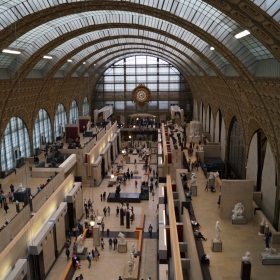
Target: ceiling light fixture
[
  {"x": 47, "y": 57},
  {"x": 69, "y": 60},
  {"x": 212, "y": 48},
  {"x": 242, "y": 34},
  {"x": 84, "y": 62},
  {"x": 11, "y": 51}
]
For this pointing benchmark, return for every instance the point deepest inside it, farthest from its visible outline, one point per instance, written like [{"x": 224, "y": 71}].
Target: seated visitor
[
  {"x": 198, "y": 234},
  {"x": 195, "y": 224},
  {"x": 188, "y": 195},
  {"x": 205, "y": 259}
]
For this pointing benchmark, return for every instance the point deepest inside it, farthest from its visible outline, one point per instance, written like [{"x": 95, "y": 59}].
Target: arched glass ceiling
[
  {"x": 106, "y": 61},
  {"x": 117, "y": 42},
  {"x": 272, "y": 7},
  {"x": 196, "y": 12},
  {"x": 71, "y": 45},
  {"x": 168, "y": 53}
]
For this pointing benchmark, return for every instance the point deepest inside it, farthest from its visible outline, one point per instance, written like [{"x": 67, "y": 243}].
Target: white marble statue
[
  {"x": 216, "y": 174},
  {"x": 121, "y": 236},
  {"x": 247, "y": 257},
  {"x": 238, "y": 211},
  {"x": 21, "y": 188},
  {"x": 262, "y": 223},
  {"x": 211, "y": 175},
  {"x": 270, "y": 253},
  {"x": 193, "y": 179},
  {"x": 132, "y": 259},
  {"x": 89, "y": 125},
  {"x": 217, "y": 232},
  {"x": 194, "y": 130},
  {"x": 130, "y": 268},
  {"x": 80, "y": 244},
  {"x": 133, "y": 249}
]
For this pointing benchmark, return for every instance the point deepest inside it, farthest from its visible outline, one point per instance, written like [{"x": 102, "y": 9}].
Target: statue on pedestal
[
  {"x": 80, "y": 244},
  {"x": 247, "y": 257},
  {"x": 262, "y": 222},
  {"x": 217, "y": 232},
  {"x": 130, "y": 268},
  {"x": 89, "y": 125},
  {"x": 211, "y": 175},
  {"x": 193, "y": 179},
  {"x": 270, "y": 253},
  {"x": 21, "y": 188},
  {"x": 194, "y": 130},
  {"x": 121, "y": 236},
  {"x": 238, "y": 211},
  {"x": 133, "y": 249}
]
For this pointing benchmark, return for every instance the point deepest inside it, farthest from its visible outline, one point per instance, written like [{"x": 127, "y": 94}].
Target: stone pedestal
[
  {"x": 96, "y": 235},
  {"x": 265, "y": 260},
  {"x": 211, "y": 182},
  {"x": 261, "y": 229},
  {"x": 245, "y": 270},
  {"x": 194, "y": 190},
  {"x": 83, "y": 255},
  {"x": 239, "y": 221},
  {"x": 217, "y": 245},
  {"x": 22, "y": 196},
  {"x": 122, "y": 247}
]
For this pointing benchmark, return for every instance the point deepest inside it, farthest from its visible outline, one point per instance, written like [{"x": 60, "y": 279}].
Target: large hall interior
[{"x": 152, "y": 123}]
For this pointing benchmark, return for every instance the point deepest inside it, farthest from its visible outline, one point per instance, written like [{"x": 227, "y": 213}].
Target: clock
[{"x": 141, "y": 95}]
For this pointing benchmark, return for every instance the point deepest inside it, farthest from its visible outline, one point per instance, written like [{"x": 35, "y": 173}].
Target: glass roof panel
[
  {"x": 197, "y": 12},
  {"x": 272, "y": 7},
  {"x": 36, "y": 35},
  {"x": 82, "y": 54}
]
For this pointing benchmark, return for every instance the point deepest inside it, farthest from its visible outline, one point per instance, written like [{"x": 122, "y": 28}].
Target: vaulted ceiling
[{"x": 84, "y": 37}]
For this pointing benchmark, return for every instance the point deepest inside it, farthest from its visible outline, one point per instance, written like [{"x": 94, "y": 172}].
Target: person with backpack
[{"x": 89, "y": 259}]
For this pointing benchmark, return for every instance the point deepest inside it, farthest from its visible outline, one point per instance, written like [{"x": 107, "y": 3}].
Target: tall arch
[
  {"x": 60, "y": 120},
  {"x": 74, "y": 112},
  {"x": 42, "y": 132},
  {"x": 85, "y": 107},
  {"x": 15, "y": 144},
  {"x": 236, "y": 151}
]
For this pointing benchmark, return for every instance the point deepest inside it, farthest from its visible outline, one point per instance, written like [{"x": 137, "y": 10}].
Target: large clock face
[{"x": 141, "y": 95}]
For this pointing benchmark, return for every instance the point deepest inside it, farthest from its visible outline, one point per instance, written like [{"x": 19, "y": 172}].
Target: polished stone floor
[{"x": 225, "y": 265}]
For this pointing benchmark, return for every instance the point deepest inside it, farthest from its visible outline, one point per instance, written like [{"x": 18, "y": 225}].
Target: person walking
[
  {"x": 110, "y": 243},
  {"x": 102, "y": 244},
  {"x": 115, "y": 241},
  {"x": 136, "y": 183},
  {"x": 131, "y": 175},
  {"x": 101, "y": 197},
  {"x": 150, "y": 230},
  {"x": 153, "y": 194},
  {"x": 89, "y": 258},
  {"x": 108, "y": 210},
  {"x": 267, "y": 239},
  {"x": 105, "y": 211},
  {"x": 12, "y": 188},
  {"x": 102, "y": 227},
  {"x": 6, "y": 207},
  {"x": 206, "y": 187},
  {"x": 117, "y": 211},
  {"x": 108, "y": 232},
  {"x": 67, "y": 252},
  {"x": 96, "y": 254}
]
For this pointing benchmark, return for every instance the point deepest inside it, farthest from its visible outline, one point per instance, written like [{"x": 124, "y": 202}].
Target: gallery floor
[{"x": 225, "y": 265}]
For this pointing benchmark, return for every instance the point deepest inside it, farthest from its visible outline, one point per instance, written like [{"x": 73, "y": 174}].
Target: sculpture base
[
  {"x": 269, "y": 260},
  {"x": 239, "y": 221},
  {"x": 122, "y": 247},
  {"x": 217, "y": 245},
  {"x": 245, "y": 270},
  {"x": 135, "y": 171},
  {"x": 83, "y": 255},
  {"x": 261, "y": 229},
  {"x": 194, "y": 190},
  {"x": 194, "y": 139}
]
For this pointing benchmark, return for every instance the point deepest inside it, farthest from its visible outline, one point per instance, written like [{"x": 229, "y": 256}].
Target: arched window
[
  {"x": 85, "y": 107},
  {"x": 73, "y": 116},
  {"x": 15, "y": 143},
  {"x": 42, "y": 132},
  {"x": 236, "y": 149},
  {"x": 60, "y": 120}
]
